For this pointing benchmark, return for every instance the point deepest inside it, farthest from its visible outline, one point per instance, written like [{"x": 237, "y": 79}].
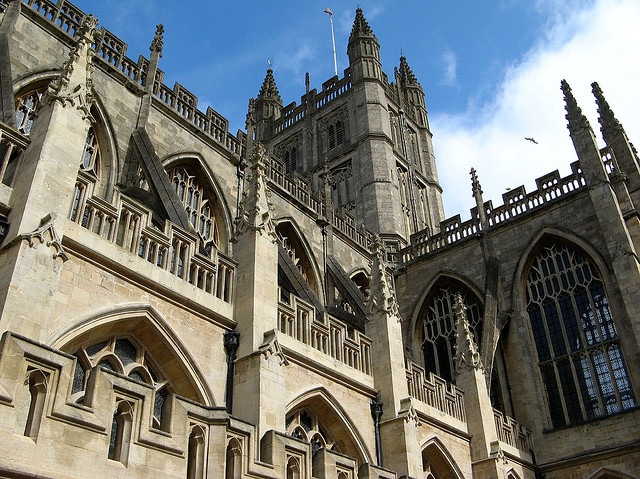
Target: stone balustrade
[
  {"x": 435, "y": 392},
  {"x": 512, "y": 433},
  {"x": 128, "y": 224},
  {"x": 112, "y": 51},
  {"x": 328, "y": 335},
  {"x": 517, "y": 203}
]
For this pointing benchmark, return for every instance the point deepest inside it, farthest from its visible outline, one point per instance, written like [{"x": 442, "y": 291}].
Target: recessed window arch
[
  {"x": 436, "y": 326},
  {"x": 27, "y": 103},
  {"x": 579, "y": 355},
  {"x": 200, "y": 202},
  {"x": 125, "y": 356},
  {"x": 306, "y": 426},
  {"x": 296, "y": 250}
]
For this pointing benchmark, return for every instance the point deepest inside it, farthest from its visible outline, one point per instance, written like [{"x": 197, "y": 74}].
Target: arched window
[
  {"x": 120, "y": 436},
  {"x": 199, "y": 204},
  {"x": 26, "y": 105},
  {"x": 438, "y": 328},
  {"x": 124, "y": 356},
  {"x": 233, "y": 469},
  {"x": 37, "y": 382},
  {"x": 293, "y": 468},
  {"x": 579, "y": 354},
  {"x": 336, "y": 134},
  {"x": 195, "y": 453},
  {"x": 91, "y": 154}
]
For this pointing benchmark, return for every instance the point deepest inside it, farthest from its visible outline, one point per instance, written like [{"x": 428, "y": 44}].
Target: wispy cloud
[
  {"x": 449, "y": 68},
  {"x": 590, "y": 44}
]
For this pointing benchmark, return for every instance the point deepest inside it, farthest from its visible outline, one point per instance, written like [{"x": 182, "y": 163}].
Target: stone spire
[
  {"x": 407, "y": 78},
  {"x": 576, "y": 120},
  {"x": 158, "y": 41},
  {"x": 467, "y": 354},
  {"x": 360, "y": 27},
  {"x": 269, "y": 90},
  {"x": 609, "y": 124}
]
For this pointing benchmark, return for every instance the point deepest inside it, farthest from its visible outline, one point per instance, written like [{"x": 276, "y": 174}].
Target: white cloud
[
  {"x": 595, "y": 43},
  {"x": 449, "y": 67}
]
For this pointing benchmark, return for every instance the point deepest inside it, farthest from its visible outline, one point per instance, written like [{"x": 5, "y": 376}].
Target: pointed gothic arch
[
  {"x": 28, "y": 94},
  {"x": 330, "y": 417},
  {"x": 610, "y": 473},
  {"x": 148, "y": 329},
  {"x": 216, "y": 224},
  {"x": 432, "y": 333},
  {"x": 564, "y": 299},
  {"x": 300, "y": 252},
  {"x": 438, "y": 461}
]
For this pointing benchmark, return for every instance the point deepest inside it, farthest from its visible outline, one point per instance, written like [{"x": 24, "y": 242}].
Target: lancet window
[
  {"x": 26, "y": 106},
  {"x": 123, "y": 356},
  {"x": 336, "y": 134},
  {"x": 438, "y": 327},
  {"x": 197, "y": 202},
  {"x": 579, "y": 353}
]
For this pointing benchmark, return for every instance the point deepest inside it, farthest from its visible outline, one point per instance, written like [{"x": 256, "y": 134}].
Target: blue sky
[{"x": 491, "y": 69}]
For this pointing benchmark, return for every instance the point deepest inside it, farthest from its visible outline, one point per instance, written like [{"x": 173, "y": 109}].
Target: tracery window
[
  {"x": 199, "y": 205},
  {"x": 91, "y": 154},
  {"x": 581, "y": 363},
  {"x": 305, "y": 425},
  {"x": 26, "y": 106},
  {"x": 123, "y": 356},
  {"x": 439, "y": 326}
]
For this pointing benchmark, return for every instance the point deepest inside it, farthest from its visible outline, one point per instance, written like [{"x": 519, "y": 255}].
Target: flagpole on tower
[{"x": 333, "y": 41}]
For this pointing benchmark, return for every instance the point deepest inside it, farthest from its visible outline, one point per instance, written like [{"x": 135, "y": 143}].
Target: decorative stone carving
[
  {"x": 46, "y": 234},
  {"x": 380, "y": 296},
  {"x": 255, "y": 208},
  {"x": 271, "y": 347},
  {"x": 467, "y": 354},
  {"x": 408, "y": 412},
  {"x": 63, "y": 89}
]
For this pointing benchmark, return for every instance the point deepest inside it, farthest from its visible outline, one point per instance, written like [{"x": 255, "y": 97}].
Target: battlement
[
  {"x": 516, "y": 204},
  {"x": 111, "y": 51}
]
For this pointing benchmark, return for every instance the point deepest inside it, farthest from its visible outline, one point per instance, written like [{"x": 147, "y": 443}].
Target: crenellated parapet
[{"x": 111, "y": 55}]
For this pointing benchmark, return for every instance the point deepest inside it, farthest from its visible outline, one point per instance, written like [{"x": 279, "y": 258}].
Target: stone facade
[{"x": 291, "y": 302}]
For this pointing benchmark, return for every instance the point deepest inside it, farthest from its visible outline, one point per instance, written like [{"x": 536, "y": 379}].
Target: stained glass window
[{"x": 579, "y": 355}]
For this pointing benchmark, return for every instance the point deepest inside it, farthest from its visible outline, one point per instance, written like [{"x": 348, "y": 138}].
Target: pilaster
[
  {"x": 470, "y": 377},
  {"x": 259, "y": 373}
]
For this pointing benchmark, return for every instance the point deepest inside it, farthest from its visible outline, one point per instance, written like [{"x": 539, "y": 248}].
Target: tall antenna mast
[{"x": 333, "y": 41}]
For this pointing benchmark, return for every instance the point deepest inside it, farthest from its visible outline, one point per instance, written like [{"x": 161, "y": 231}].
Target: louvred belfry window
[{"x": 579, "y": 355}]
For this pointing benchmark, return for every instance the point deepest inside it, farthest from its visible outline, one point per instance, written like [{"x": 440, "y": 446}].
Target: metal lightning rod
[{"x": 333, "y": 41}]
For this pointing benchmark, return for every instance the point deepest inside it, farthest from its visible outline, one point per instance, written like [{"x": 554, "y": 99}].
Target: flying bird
[{"x": 531, "y": 139}]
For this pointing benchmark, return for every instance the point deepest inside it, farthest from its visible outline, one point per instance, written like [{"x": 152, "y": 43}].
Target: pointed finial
[
  {"x": 467, "y": 354},
  {"x": 157, "y": 43},
  {"x": 476, "y": 189},
  {"x": 609, "y": 125},
  {"x": 576, "y": 120},
  {"x": 269, "y": 89},
  {"x": 407, "y": 77},
  {"x": 360, "y": 26}
]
